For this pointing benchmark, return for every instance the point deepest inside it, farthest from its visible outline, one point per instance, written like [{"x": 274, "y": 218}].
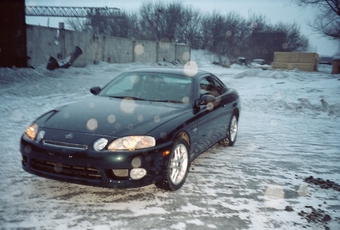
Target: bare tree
[
  {"x": 76, "y": 24},
  {"x": 327, "y": 21},
  {"x": 227, "y": 35},
  {"x": 190, "y": 30},
  {"x": 161, "y": 22},
  {"x": 294, "y": 40},
  {"x": 120, "y": 26}
]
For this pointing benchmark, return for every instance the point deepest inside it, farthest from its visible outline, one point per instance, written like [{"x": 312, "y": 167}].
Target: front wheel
[
  {"x": 231, "y": 133},
  {"x": 177, "y": 168}
]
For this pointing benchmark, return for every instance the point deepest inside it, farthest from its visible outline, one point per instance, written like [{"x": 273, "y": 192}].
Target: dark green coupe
[{"x": 145, "y": 127}]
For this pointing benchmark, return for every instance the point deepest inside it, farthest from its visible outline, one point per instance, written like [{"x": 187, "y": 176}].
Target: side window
[
  {"x": 221, "y": 88},
  {"x": 210, "y": 85}
]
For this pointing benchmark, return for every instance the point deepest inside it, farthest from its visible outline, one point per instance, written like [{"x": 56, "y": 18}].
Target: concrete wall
[
  {"x": 145, "y": 51},
  {"x": 43, "y": 42}
]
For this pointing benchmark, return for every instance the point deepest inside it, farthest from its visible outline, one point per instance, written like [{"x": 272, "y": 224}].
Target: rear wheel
[
  {"x": 177, "y": 168},
  {"x": 231, "y": 133}
]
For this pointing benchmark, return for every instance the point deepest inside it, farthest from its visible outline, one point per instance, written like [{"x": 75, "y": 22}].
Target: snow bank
[{"x": 289, "y": 130}]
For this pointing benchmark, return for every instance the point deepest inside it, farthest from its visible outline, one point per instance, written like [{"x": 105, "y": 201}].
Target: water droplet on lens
[
  {"x": 66, "y": 115},
  {"x": 190, "y": 68},
  {"x": 28, "y": 149},
  {"x": 111, "y": 118},
  {"x": 164, "y": 135},
  {"x": 128, "y": 105},
  {"x": 156, "y": 119},
  {"x": 210, "y": 106},
  {"x": 140, "y": 118},
  {"x": 139, "y": 49},
  {"x": 92, "y": 124}
]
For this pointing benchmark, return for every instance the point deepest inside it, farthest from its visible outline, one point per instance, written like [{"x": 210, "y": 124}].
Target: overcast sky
[{"x": 274, "y": 10}]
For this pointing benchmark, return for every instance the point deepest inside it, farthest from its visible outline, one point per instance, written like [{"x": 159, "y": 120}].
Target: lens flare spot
[
  {"x": 273, "y": 122},
  {"x": 304, "y": 190},
  {"x": 163, "y": 135},
  {"x": 210, "y": 106},
  {"x": 92, "y": 124},
  {"x": 92, "y": 105},
  {"x": 252, "y": 146},
  {"x": 228, "y": 33},
  {"x": 190, "y": 68},
  {"x": 185, "y": 100},
  {"x": 134, "y": 78},
  {"x": 277, "y": 96},
  {"x": 117, "y": 125},
  {"x": 111, "y": 118},
  {"x": 273, "y": 195},
  {"x": 66, "y": 115},
  {"x": 28, "y": 149},
  {"x": 128, "y": 105},
  {"x": 136, "y": 162},
  {"x": 140, "y": 117},
  {"x": 139, "y": 49},
  {"x": 156, "y": 119}
]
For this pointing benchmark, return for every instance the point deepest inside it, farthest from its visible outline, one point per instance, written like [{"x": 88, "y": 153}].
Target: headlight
[
  {"x": 32, "y": 131},
  {"x": 132, "y": 142}
]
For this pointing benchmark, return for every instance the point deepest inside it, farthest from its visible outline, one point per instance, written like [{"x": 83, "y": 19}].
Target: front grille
[
  {"x": 59, "y": 144},
  {"x": 65, "y": 170}
]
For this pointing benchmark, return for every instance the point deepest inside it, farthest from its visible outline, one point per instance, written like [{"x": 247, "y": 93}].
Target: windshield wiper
[
  {"x": 128, "y": 98},
  {"x": 151, "y": 100},
  {"x": 168, "y": 101}
]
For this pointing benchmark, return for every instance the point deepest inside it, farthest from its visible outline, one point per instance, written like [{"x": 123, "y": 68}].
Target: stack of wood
[
  {"x": 336, "y": 65},
  {"x": 296, "y": 60}
]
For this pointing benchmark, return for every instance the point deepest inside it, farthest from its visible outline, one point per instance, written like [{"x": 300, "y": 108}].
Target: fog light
[
  {"x": 40, "y": 135},
  {"x": 121, "y": 172},
  {"x": 100, "y": 144},
  {"x": 137, "y": 173}
]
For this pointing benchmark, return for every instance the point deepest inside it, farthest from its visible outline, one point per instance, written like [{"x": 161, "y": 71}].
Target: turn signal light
[{"x": 165, "y": 153}]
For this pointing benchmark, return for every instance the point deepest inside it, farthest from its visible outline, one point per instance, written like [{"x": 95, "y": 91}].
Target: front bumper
[{"x": 104, "y": 169}]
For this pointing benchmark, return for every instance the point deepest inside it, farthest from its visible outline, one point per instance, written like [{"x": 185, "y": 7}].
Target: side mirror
[
  {"x": 205, "y": 99},
  {"x": 95, "y": 90}
]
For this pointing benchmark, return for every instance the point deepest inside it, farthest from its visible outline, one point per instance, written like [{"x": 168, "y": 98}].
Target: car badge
[{"x": 69, "y": 136}]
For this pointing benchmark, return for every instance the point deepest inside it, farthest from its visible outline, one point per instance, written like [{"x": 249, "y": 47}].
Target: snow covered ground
[{"x": 289, "y": 130}]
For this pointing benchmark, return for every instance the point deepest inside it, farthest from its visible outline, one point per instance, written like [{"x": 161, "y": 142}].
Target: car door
[{"x": 212, "y": 119}]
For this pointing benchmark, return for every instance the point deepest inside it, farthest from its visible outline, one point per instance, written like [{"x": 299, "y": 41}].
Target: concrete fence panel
[
  {"x": 145, "y": 51},
  {"x": 43, "y": 42},
  {"x": 166, "y": 51},
  {"x": 182, "y": 53},
  {"x": 118, "y": 50}
]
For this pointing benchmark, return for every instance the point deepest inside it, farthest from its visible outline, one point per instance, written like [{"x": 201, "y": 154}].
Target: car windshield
[{"x": 159, "y": 87}]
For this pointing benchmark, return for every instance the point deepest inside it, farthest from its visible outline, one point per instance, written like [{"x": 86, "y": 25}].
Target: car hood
[{"x": 112, "y": 116}]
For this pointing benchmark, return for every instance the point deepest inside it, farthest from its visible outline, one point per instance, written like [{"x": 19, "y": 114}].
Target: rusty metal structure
[{"x": 74, "y": 12}]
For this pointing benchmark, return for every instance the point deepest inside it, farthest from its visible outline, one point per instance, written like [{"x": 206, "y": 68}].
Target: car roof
[{"x": 177, "y": 71}]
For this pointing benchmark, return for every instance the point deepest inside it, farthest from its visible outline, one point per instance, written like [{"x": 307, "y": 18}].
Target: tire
[
  {"x": 231, "y": 133},
  {"x": 177, "y": 168}
]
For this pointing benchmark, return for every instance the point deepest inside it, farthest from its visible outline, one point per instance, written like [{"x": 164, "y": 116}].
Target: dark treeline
[{"x": 227, "y": 35}]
